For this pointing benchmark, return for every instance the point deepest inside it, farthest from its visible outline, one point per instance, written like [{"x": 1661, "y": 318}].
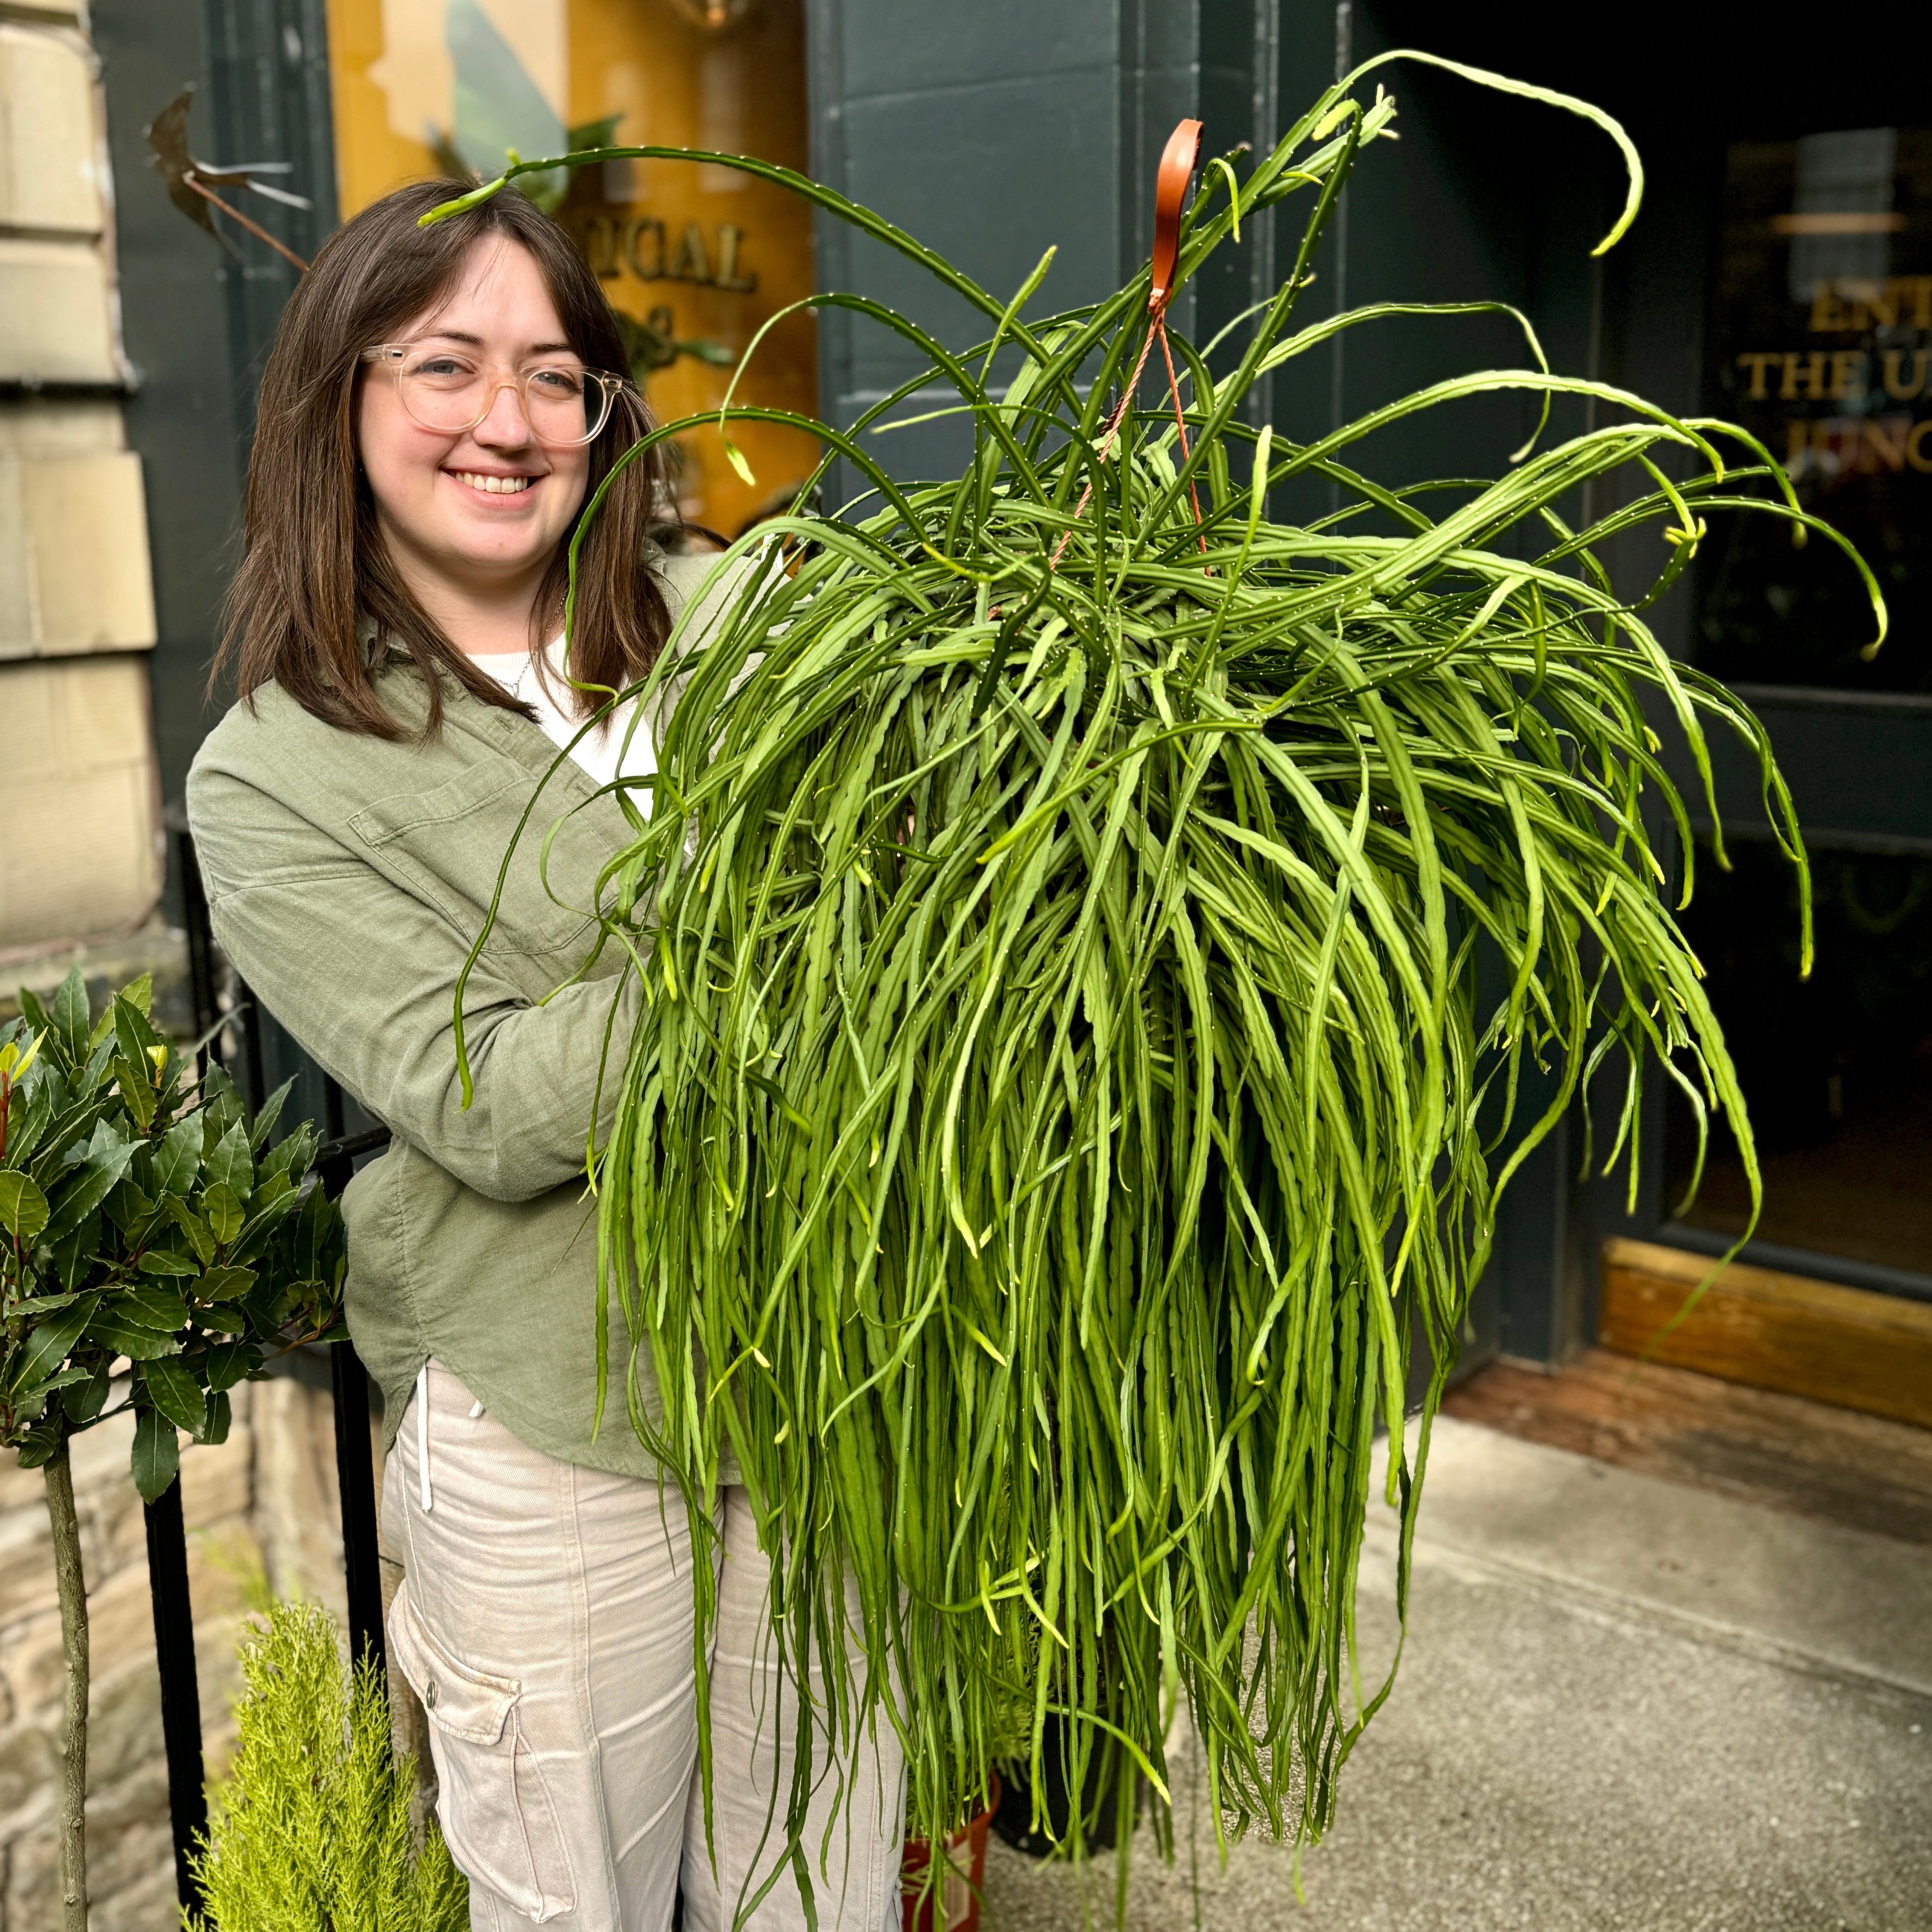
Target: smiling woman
[
  {"x": 476, "y": 450},
  {"x": 439, "y": 406},
  {"x": 365, "y": 508}
]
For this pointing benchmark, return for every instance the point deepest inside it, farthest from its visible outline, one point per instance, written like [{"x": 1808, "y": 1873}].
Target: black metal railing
[{"x": 219, "y": 997}]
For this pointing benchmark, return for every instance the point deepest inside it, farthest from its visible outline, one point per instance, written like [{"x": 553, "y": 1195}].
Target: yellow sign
[{"x": 695, "y": 256}]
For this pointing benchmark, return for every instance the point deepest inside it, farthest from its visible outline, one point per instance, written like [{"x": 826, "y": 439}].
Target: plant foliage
[
  {"x": 1096, "y": 940},
  {"x": 143, "y": 1219},
  {"x": 311, "y": 1830}
]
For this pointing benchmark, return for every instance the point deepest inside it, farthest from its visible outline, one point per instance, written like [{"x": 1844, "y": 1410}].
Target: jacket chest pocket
[{"x": 449, "y": 842}]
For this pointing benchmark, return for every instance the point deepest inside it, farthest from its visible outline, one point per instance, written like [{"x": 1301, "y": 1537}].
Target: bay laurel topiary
[
  {"x": 311, "y": 1830},
  {"x": 1097, "y": 939},
  {"x": 145, "y": 1221}
]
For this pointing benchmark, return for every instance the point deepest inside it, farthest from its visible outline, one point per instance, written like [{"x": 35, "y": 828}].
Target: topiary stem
[{"x": 72, "y": 1584}]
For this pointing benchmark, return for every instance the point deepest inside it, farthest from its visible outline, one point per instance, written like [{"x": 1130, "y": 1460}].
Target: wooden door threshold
[
  {"x": 1780, "y": 1451},
  {"x": 1843, "y": 1346}
]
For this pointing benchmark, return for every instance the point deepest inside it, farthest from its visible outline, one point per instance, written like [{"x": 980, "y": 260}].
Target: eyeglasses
[{"x": 449, "y": 390}]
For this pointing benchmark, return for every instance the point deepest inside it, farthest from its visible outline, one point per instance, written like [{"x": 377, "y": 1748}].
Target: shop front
[{"x": 1778, "y": 276}]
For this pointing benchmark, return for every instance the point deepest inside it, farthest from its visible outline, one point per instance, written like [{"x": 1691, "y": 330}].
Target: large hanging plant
[{"x": 1094, "y": 936}]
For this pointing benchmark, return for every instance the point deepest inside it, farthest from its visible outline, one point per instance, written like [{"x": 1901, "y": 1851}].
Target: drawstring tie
[{"x": 422, "y": 1437}]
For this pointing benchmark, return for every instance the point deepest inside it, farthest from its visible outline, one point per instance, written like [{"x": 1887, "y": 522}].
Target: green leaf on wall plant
[
  {"x": 107, "y": 1161},
  {"x": 84, "y": 1401},
  {"x": 36, "y": 1015},
  {"x": 153, "y": 1306},
  {"x": 74, "y": 1254},
  {"x": 132, "y": 1031},
  {"x": 271, "y": 1111},
  {"x": 157, "y": 1458},
  {"x": 120, "y": 1336},
  {"x": 26, "y": 1133},
  {"x": 228, "y": 1362},
  {"x": 70, "y": 1016},
  {"x": 48, "y": 1346},
  {"x": 224, "y": 1284},
  {"x": 166, "y": 1261},
  {"x": 199, "y": 1238},
  {"x": 137, "y": 1092},
  {"x": 222, "y": 1211},
  {"x": 175, "y": 1393},
  {"x": 23, "y": 1207},
  {"x": 313, "y": 1232},
  {"x": 229, "y": 1165},
  {"x": 178, "y": 1156}
]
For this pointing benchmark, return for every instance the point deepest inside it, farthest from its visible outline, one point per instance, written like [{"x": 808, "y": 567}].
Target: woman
[{"x": 438, "y": 405}]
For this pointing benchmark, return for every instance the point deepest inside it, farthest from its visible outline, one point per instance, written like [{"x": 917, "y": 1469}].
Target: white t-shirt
[{"x": 600, "y": 750}]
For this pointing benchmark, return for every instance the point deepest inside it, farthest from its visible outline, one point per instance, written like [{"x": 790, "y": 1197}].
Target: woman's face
[{"x": 478, "y": 514}]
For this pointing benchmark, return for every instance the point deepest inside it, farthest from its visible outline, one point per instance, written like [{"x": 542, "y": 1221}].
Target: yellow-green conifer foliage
[{"x": 311, "y": 1830}]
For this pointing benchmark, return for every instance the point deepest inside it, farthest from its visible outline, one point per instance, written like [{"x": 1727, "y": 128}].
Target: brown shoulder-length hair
[{"x": 315, "y": 564}]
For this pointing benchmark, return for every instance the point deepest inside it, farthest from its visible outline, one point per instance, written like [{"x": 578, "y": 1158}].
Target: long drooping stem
[{"x": 73, "y": 1586}]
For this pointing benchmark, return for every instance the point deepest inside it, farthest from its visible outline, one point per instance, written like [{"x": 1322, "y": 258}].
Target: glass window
[
  {"x": 1821, "y": 344},
  {"x": 693, "y": 258},
  {"x": 1837, "y": 1069}
]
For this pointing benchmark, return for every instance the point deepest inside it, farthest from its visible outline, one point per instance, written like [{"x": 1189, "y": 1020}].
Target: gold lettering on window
[
  {"x": 1897, "y": 386},
  {"x": 1845, "y": 305},
  {"x": 1814, "y": 376},
  {"x": 690, "y": 263},
  {"x": 1882, "y": 442},
  {"x": 646, "y": 267},
  {"x": 1829, "y": 314},
  {"x": 729, "y": 236}
]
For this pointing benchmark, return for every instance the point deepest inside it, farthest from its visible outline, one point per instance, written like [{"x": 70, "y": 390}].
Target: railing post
[
  {"x": 355, "y": 1476},
  {"x": 354, "y": 1462},
  {"x": 181, "y": 1690}
]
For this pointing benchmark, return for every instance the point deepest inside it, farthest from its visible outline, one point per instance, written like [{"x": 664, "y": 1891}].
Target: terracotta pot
[{"x": 953, "y": 1904}]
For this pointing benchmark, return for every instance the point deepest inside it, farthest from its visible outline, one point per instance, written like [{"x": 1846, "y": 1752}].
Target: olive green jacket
[{"x": 347, "y": 878}]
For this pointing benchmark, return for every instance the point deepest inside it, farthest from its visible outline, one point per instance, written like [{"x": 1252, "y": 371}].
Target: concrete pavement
[{"x": 1627, "y": 1704}]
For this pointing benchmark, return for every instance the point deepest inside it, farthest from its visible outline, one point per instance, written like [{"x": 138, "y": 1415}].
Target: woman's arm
[{"x": 363, "y": 974}]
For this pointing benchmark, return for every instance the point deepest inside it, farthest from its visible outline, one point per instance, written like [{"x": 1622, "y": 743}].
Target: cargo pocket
[{"x": 493, "y": 1803}]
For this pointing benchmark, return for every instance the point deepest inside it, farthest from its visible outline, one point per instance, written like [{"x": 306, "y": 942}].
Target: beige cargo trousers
[{"x": 545, "y": 1622}]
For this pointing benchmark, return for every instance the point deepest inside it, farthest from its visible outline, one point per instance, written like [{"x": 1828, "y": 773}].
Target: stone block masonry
[{"x": 80, "y": 853}]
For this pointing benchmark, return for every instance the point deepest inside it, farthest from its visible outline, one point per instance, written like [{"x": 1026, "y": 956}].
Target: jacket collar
[{"x": 401, "y": 687}]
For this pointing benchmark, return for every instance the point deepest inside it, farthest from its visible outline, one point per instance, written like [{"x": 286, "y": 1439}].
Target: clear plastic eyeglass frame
[{"x": 598, "y": 394}]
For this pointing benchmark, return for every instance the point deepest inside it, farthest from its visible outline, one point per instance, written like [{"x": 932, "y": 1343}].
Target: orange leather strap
[{"x": 1177, "y": 162}]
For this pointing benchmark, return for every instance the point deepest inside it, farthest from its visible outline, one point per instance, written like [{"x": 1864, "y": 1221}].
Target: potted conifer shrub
[{"x": 312, "y": 1829}]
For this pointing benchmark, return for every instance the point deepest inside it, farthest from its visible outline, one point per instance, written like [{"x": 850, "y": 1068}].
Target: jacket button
[{"x": 430, "y": 1694}]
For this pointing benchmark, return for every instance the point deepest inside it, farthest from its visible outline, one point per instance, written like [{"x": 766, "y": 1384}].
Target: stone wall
[
  {"x": 262, "y": 1520},
  {"x": 79, "y": 796}
]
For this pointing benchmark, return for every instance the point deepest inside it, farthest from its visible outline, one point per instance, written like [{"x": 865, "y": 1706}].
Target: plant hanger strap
[{"x": 1178, "y": 160}]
